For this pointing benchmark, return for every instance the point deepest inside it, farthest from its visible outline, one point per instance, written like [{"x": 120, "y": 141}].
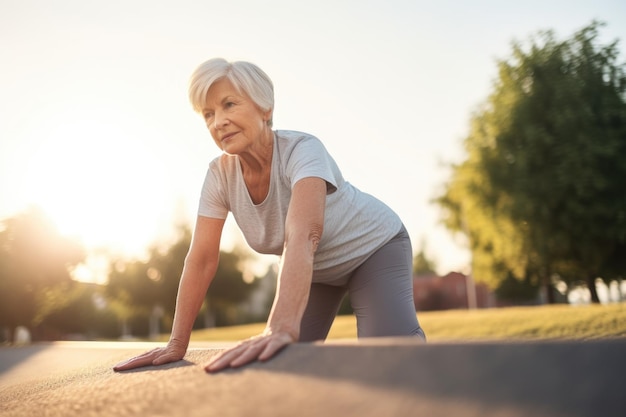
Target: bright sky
[{"x": 95, "y": 126}]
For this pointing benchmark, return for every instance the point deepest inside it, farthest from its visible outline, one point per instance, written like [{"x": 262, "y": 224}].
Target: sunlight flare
[{"x": 98, "y": 184}]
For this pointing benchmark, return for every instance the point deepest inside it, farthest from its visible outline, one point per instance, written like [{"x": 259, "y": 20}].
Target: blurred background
[{"x": 496, "y": 131}]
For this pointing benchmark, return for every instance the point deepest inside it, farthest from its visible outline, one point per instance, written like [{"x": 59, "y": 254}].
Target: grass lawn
[{"x": 513, "y": 323}]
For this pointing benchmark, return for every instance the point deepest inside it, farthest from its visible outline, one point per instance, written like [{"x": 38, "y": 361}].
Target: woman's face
[{"x": 236, "y": 123}]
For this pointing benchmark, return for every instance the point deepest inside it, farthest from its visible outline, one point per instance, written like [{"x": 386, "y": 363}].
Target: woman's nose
[{"x": 219, "y": 119}]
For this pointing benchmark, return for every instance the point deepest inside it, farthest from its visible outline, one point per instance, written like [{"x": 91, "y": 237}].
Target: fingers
[
  {"x": 157, "y": 356},
  {"x": 273, "y": 348},
  {"x": 167, "y": 358},
  {"x": 237, "y": 356},
  {"x": 259, "y": 348},
  {"x": 136, "y": 362}
]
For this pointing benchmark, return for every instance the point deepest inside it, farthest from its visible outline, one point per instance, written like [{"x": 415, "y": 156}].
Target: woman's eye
[
  {"x": 208, "y": 115},
  {"x": 229, "y": 104}
]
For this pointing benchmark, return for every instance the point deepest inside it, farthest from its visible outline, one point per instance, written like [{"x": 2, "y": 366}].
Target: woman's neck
[{"x": 258, "y": 159}]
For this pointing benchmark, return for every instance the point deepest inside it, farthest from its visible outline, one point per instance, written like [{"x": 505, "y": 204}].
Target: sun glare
[{"x": 100, "y": 185}]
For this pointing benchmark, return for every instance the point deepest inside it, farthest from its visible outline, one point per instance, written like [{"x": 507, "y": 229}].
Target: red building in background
[{"x": 451, "y": 291}]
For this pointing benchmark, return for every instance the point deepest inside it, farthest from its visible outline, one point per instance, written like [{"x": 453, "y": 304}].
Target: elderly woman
[{"x": 289, "y": 198}]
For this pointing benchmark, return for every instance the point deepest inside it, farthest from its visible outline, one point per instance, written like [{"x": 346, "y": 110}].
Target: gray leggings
[{"x": 381, "y": 295}]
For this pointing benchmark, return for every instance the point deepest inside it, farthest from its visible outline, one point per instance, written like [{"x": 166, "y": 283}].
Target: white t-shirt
[{"x": 355, "y": 223}]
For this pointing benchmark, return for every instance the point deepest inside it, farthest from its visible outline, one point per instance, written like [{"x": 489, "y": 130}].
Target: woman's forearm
[
  {"x": 294, "y": 283},
  {"x": 192, "y": 289}
]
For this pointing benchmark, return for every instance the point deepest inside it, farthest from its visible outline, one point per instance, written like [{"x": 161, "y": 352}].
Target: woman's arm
[
  {"x": 303, "y": 231},
  {"x": 200, "y": 266},
  {"x": 198, "y": 272}
]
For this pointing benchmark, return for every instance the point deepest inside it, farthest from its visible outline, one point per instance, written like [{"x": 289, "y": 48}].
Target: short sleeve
[
  {"x": 213, "y": 200},
  {"x": 310, "y": 158}
]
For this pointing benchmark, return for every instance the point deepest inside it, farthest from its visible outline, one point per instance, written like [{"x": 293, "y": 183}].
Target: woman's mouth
[{"x": 227, "y": 137}]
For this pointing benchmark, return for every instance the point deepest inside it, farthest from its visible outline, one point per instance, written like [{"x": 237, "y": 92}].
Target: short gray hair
[{"x": 245, "y": 76}]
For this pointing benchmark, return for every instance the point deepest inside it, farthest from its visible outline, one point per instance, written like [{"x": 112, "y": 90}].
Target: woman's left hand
[{"x": 261, "y": 347}]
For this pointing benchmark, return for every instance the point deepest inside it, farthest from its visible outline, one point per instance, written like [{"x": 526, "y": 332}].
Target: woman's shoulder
[
  {"x": 289, "y": 140},
  {"x": 223, "y": 164},
  {"x": 294, "y": 135},
  {"x": 222, "y": 159}
]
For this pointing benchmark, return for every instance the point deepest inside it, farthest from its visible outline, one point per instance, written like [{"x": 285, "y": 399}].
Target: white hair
[{"x": 246, "y": 77}]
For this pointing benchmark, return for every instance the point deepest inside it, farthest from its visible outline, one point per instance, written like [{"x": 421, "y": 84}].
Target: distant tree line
[{"x": 37, "y": 290}]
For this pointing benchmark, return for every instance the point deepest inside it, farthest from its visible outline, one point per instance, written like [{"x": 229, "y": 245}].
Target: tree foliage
[
  {"x": 35, "y": 264},
  {"x": 229, "y": 288},
  {"x": 136, "y": 287},
  {"x": 82, "y": 315},
  {"x": 422, "y": 264},
  {"x": 541, "y": 191}
]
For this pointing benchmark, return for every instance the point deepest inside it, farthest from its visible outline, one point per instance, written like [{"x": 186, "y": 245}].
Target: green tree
[
  {"x": 422, "y": 265},
  {"x": 131, "y": 291},
  {"x": 35, "y": 264},
  {"x": 541, "y": 192},
  {"x": 229, "y": 288},
  {"x": 82, "y": 314},
  {"x": 136, "y": 287},
  {"x": 167, "y": 267}
]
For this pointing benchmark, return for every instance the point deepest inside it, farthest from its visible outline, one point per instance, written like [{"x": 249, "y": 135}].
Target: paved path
[
  {"x": 43, "y": 360},
  {"x": 378, "y": 378}
]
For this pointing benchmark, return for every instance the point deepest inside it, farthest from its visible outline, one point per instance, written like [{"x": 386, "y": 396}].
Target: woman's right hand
[{"x": 158, "y": 356}]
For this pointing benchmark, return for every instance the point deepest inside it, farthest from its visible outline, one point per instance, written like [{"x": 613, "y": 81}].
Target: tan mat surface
[{"x": 387, "y": 377}]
